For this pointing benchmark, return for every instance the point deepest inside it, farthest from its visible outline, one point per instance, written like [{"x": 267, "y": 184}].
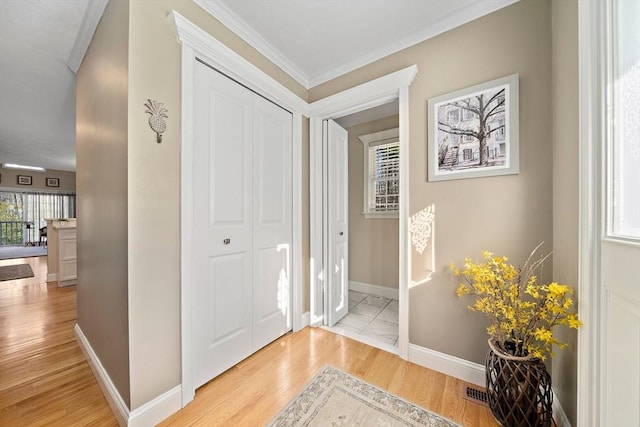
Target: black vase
[{"x": 518, "y": 390}]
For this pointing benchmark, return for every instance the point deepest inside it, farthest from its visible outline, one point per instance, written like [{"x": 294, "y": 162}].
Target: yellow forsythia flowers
[{"x": 522, "y": 311}]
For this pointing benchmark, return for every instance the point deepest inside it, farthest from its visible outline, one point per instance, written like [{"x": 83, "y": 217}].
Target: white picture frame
[{"x": 474, "y": 132}]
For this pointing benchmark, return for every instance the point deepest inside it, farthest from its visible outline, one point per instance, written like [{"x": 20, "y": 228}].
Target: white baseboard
[
  {"x": 381, "y": 291},
  {"x": 158, "y": 409},
  {"x": 149, "y": 414},
  {"x": 118, "y": 407},
  {"x": 559, "y": 416},
  {"x": 470, "y": 372},
  {"x": 306, "y": 320},
  {"x": 52, "y": 277}
]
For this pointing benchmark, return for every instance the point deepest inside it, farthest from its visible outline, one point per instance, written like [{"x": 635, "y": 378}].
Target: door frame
[
  {"x": 367, "y": 95},
  {"x": 592, "y": 46},
  {"x": 197, "y": 43}
]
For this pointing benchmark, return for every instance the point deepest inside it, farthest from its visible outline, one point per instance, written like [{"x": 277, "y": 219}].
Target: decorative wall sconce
[{"x": 156, "y": 120}]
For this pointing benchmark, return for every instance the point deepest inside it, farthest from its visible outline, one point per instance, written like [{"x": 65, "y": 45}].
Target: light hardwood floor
[{"x": 44, "y": 379}]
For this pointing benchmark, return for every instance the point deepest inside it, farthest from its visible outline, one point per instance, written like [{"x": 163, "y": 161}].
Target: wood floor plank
[{"x": 44, "y": 379}]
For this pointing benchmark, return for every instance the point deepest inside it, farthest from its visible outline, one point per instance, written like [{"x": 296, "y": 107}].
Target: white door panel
[
  {"x": 242, "y": 217},
  {"x": 222, "y": 255},
  {"x": 338, "y": 205},
  {"x": 272, "y": 232},
  {"x": 620, "y": 247}
]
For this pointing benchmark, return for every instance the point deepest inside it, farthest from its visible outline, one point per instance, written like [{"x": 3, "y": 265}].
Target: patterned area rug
[
  {"x": 335, "y": 398},
  {"x": 14, "y": 272}
]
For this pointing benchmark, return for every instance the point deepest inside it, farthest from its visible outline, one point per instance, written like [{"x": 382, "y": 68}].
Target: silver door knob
[{"x": 226, "y": 241}]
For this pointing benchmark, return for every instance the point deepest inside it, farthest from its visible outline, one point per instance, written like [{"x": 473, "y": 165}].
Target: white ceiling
[
  {"x": 42, "y": 43},
  {"x": 37, "y": 88},
  {"x": 317, "y": 40}
]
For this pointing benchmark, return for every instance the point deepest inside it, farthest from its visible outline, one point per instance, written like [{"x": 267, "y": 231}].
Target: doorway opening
[
  {"x": 370, "y": 189},
  {"x": 392, "y": 87}
]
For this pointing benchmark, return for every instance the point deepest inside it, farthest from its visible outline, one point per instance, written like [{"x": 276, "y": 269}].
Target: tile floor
[{"x": 373, "y": 316}]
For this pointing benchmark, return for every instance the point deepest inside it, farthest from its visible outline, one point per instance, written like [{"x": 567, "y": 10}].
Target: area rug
[
  {"x": 10, "y": 252},
  {"x": 16, "y": 271},
  {"x": 335, "y": 398}
]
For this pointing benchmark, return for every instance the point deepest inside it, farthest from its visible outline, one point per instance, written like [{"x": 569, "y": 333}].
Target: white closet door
[
  {"x": 222, "y": 251},
  {"x": 272, "y": 233},
  {"x": 338, "y": 208}
]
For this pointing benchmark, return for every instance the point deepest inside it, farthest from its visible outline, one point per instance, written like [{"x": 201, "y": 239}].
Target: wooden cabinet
[
  {"x": 61, "y": 257},
  {"x": 67, "y": 257}
]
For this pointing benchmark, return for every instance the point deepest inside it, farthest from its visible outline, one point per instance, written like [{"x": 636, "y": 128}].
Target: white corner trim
[
  {"x": 592, "y": 51},
  {"x": 465, "y": 370},
  {"x": 52, "y": 277},
  {"x": 367, "y": 95},
  {"x": 230, "y": 20},
  {"x": 158, "y": 409},
  {"x": 149, "y": 414},
  {"x": 225, "y": 60},
  {"x": 92, "y": 15},
  {"x": 118, "y": 407},
  {"x": 368, "y": 288},
  {"x": 559, "y": 416},
  {"x": 296, "y": 256}
]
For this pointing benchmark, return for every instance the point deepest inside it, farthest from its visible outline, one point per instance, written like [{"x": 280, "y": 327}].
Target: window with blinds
[{"x": 384, "y": 178}]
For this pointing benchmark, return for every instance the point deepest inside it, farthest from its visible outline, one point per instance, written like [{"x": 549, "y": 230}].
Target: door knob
[
  {"x": 226, "y": 241},
  {"x": 341, "y": 233}
]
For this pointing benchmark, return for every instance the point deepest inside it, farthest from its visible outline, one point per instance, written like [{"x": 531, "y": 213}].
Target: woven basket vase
[{"x": 518, "y": 389}]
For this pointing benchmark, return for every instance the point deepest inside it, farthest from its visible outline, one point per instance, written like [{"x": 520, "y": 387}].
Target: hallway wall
[{"x": 373, "y": 242}]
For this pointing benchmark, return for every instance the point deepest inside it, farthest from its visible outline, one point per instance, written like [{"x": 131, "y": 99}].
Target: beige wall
[
  {"x": 565, "y": 185},
  {"x": 154, "y": 189},
  {"x": 67, "y": 179},
  {"x": 508, "y": 214},
  {"x": 373, "y": 242},
  {"x": 101, "y": 153}
]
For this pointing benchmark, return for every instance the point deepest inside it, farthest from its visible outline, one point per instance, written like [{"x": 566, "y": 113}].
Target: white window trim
[{"x": 369, "y": 140}]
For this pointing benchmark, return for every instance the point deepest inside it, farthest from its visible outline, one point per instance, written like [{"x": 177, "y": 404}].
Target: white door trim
[
  {"x": 592, "y": 32},
  {"x": 367, "y": 95},
  {"x": 196, "y": 43}
]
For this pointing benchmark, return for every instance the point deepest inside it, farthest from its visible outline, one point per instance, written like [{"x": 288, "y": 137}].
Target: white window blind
[{"x": 383, "y": 185}]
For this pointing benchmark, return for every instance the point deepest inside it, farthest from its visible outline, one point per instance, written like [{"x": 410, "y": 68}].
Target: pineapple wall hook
[{"x": 156, "y": 120}]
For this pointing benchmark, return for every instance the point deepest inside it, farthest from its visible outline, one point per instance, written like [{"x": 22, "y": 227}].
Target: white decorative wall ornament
[
  {"x": 420, "y": 227},
  {"x": 156, "y": 120}
]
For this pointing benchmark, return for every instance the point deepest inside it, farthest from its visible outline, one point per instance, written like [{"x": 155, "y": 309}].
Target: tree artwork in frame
[{"x": 474, "y": 132}]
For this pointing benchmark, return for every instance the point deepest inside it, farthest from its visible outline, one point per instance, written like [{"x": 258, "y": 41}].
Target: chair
[{"x": 43, "y": 236}]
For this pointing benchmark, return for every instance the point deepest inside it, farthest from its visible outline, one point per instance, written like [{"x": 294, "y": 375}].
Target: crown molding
[
  {"x": 92, "y": 15},
  {"x": 219, "y": 11},
  {"x": 455, "y": 19},
  {"x": 228, "y": 62},
  {"x": 229, "y": 19}
]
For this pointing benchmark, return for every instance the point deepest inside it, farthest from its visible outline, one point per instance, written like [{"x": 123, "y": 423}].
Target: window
[
  {"x": 18, "y": 209},
  {"x": 500, "y": 132},
  {"x": 467, "y": 138},
  {"x": 624, "y": 137},
  {"x": 454, "y": 115},
  {"x": 381, "y": 174},
  {"x": 467, "y": 115},
  {"x": 467, "y": 154}
]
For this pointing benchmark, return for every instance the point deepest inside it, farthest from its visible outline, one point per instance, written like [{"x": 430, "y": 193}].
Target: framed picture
[
  {"x": 24, "y": 180},
  {"x": 474, "y": 132},
  {"x": 53, "y": 182}
]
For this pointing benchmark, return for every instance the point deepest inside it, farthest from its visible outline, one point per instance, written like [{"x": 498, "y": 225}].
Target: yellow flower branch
[{"x": 522, "y": 312}]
